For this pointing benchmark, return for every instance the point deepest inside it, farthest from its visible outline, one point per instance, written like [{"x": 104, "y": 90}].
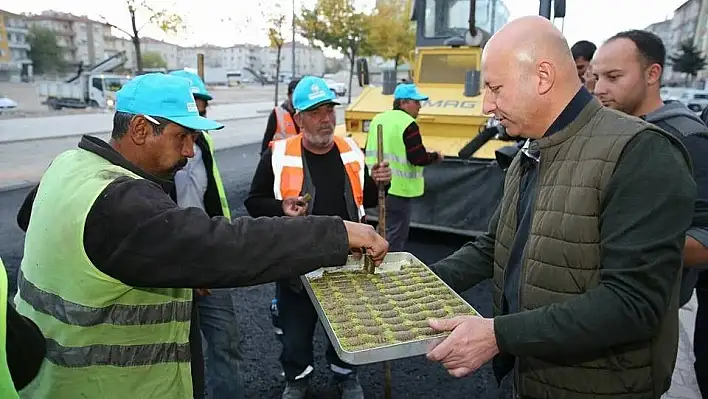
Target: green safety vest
[
  {"x": 406, "y": 178},
  {"x": 7, "y": 386},
  {"x": 217, "y": 177},
  {"x": 105, "y": 339}
]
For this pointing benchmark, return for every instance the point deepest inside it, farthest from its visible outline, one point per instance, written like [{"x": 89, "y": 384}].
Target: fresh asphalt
[{"x": 412, "y": 378}]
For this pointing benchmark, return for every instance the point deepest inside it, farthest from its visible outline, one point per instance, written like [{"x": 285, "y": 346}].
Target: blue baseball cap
[
  {"x": 199, "y": 90},
  {"x": 408, "y": 91},
  {"x": 312, "y": 92},
  {"x": 165, "y": 96}
]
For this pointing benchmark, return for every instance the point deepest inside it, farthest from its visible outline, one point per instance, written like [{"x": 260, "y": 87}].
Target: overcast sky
[{"x": 225, "y": 23}]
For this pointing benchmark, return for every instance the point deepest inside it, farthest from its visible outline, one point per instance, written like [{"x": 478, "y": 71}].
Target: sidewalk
[
  {"x": 25, "y": 129},
  {"x": 683, "y": 382}
]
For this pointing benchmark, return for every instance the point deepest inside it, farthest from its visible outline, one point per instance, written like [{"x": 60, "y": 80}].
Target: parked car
[
  {"x": 338, "y": 88},
  {"x": 6, "y": 103}
]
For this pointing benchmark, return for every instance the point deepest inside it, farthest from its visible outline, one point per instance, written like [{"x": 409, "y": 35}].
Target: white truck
[{"x": 93, "y": 87}]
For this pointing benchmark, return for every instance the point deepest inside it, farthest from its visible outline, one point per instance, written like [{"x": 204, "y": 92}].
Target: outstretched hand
[{"x": 471, "y": 344}]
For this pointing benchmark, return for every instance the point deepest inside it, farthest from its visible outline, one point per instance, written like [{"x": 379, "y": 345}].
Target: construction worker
[
  {"x": 22, "y": 346},
  {"x": 331, "y": 169},
  {"x": 110, "y": 260},
  {"x": 280, "y": 122},
  {"x": 199, "y": 185},
  {"x": 405, "y": 152}
]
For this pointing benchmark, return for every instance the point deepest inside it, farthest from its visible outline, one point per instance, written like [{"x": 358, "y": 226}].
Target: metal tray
[{"x": 391, "y": 264}]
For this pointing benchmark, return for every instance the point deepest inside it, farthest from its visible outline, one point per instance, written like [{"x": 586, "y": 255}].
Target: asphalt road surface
[{"x": 411, "y": 378}]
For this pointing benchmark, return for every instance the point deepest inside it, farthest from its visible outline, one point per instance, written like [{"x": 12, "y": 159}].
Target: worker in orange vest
[
  {"x": 280, "y": 122},
  {"x": 332, "y": 170}
]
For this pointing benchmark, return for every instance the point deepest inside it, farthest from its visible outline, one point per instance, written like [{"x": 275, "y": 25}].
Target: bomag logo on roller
[{"x": 449, "y": 104}]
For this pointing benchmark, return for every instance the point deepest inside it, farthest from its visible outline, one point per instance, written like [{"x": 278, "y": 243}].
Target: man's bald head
[{"x": 529, "y": 74}]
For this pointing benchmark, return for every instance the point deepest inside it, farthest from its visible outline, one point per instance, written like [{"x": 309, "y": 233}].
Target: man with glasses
[
  {"x": 407, "y": 156},
  {"x": 199, "y": 185}
]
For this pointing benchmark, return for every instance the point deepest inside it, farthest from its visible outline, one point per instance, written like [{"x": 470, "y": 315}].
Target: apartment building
[
  {"x": 15, "y": 62},
  {"x": 701, "y": 40},
  {"x": 82, "y": 39},
  {"x": 168, "y": 52},
  {"x": 116, "y": 45},
  {"x": 689, "y": 24},
  {"x": 308, "y": 60}
]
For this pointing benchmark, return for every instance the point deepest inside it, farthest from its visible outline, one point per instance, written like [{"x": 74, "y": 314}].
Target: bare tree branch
[{"x": 105, "y": 21}]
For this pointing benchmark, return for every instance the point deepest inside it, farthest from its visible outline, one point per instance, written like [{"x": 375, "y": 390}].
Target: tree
[
  {"x": 164, "y": 19},
  {"x": 392, "y": 34},
  {"x": 153, "y": 59},
  {"x": 689, "y": 61},
  {"x": 46, "y": 54},
  {"x": 338, "y": 25},
  {"x": 275, "y": 36}
]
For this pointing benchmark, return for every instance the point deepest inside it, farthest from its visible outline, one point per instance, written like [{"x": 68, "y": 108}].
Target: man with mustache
[
  {"x": 111, "y": 261},
  {"x": 198, "y": 184},
  {"x": 585, "y": 248},
  {"x": 332, "y": 171},
  {"x": 405, "y": 152},
  {"x": 628, "y": 67}
]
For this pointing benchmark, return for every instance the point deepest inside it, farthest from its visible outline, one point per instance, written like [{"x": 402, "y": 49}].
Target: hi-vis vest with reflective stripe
[
  {"x": 105, "y": 339},
  {"x": 289, "y": 175},
  {"x": 7, "y": 387},
  {"x": 217, "y": 178},
  {"x": 285, "y": 126},
  {"x": 406, "y": 178}
]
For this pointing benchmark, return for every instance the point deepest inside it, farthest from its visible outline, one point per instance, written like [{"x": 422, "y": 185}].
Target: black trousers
[
  {"x": 297, "y": 319},
  {"x": 398, "y": 222}
]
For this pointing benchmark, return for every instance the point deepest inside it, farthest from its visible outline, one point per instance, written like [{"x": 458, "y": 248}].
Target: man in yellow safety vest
[{"x": 111, "y": 261}]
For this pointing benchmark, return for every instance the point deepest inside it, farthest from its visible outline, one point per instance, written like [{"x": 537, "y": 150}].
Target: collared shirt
[{"x": 191, "y": 182}]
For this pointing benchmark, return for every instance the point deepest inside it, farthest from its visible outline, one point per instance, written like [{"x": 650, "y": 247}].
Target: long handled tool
[{"x": 382, "y": 232}]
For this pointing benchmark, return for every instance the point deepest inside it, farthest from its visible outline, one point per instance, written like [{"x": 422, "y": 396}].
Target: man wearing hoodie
[{"x": 628, "y": 69}]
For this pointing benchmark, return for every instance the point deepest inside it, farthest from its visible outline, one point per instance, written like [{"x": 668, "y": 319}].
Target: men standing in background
[
  {"x": 199, "y": 185},
  {"x": 280, "y": 122},
  {"x": 628, "y": 68},
  {"x": 407, "y": 156},
  {"x": 583, "y": 52}
]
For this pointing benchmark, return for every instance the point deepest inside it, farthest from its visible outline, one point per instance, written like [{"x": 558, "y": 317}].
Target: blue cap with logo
[
  {"x": 199, "y": 90},
  {"x": 408, "y": 91},
  {"x": 165, "y": 96},
  {"x": 312, "y": 92}
]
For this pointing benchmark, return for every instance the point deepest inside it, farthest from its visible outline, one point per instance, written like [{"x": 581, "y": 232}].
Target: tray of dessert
[{"x": 370, "y": 318}]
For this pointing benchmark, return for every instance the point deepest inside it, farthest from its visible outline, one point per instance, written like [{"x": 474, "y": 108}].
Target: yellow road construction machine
[{"x": 462, "y": 192}]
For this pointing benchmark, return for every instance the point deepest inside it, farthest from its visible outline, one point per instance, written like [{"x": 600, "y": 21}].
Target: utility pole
[
  {"x": 544, "y": 8},
  {"x": 494, "y": 17},
  {"x": 293, "y": 70}
]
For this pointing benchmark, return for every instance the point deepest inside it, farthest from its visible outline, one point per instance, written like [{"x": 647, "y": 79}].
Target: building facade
[
  {"x": 82, "y": 39},
  {"x": 88, "y": 42},
  {"x": 689, "y": 24},
  {"x": 15, "y": 60}
]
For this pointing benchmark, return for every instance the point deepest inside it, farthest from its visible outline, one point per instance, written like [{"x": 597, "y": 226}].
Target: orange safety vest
[
  {"x": 289, "y": 175},
  {"x": 284, "y": 124}
]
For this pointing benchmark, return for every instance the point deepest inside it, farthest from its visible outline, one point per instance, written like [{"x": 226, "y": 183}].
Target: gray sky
[{"x": 224, "y": 22}]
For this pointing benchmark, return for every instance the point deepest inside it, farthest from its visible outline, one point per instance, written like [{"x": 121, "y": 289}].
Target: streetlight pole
[{"x": 293, "y": 70}]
